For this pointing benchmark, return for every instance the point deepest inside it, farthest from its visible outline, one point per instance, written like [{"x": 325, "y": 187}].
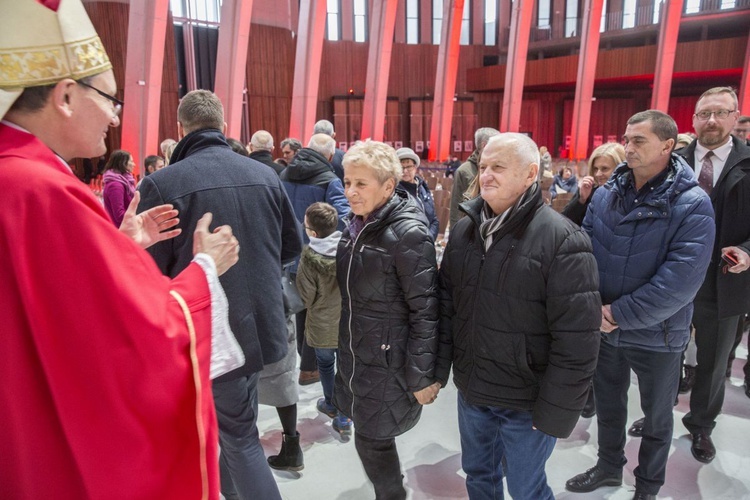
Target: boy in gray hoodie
[{"x": 317, "y": 285}]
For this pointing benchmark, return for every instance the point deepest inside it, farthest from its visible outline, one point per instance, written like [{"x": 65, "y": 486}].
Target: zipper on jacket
[
  {"x": 351, "y": 312},
  {"x": 666, "y": 334},
  {"x": 473, "y": 322},
  {"x": 506, "y": 263}
]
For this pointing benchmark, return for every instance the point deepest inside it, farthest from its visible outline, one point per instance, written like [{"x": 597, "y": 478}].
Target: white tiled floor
[{"x": 430, "y": 454}]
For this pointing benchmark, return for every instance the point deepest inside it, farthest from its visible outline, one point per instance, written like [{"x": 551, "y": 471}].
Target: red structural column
[
  {"x": 311, "y": 26},
  {"x": 378, "y": 68},
  {"x": 669, "y": 21},
  {"x": 515, "y": 68},
  {"x": 445, "y": 80},
  {"x": 592, "y": 17},
  {"x": 147, "y": 28},
  {"x": 231, "y": 65},
  {"x": 744, "y": 95}
]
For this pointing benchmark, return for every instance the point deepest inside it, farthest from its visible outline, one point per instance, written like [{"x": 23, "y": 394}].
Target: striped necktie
[{"x": 706, "y": 177}]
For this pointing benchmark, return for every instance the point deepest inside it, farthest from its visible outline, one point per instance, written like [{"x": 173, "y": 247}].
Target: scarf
[{"x": 490, "y": 223}]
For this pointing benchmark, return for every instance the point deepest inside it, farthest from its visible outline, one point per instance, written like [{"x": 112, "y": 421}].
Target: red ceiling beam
[
  {"x": 378, "y": 68},
  {"x": 445, "y": 80},
  {"x": 744, "y": 96},
  {"x": 515, "y": 69},
  {"x": 592, "y": 15},
  {"x": 671, "y": 14}
]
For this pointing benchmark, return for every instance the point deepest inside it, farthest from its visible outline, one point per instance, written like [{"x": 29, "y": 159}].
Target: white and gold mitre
[{"x": 43, "y": 42}]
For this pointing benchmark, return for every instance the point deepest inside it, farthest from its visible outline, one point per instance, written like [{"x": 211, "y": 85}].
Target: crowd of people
[{"x": 540, "y": 316}]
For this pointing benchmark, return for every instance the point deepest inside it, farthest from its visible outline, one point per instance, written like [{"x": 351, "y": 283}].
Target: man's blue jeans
[
  {"x": 327, "y": 369},
  {"x": 489, "y": 433},
  {"x": 244, "y": 470}
]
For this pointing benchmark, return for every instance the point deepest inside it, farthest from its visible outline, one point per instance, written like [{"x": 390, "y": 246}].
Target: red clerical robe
[{"x": 104, "y": 392}]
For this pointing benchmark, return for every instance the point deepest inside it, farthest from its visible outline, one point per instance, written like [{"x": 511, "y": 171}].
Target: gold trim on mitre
[
  {"x": 33, "y": 66},
  {"x": 39, "y": 46}
]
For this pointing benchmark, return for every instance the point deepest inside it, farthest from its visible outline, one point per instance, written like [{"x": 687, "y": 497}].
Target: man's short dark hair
[
  {"x": 661, "y": 123},
  {"x": 200, "y": 109},
  {"x": 743, "y": 119},
  {"x": 294, "y": 144},
  {"x": 151, "y": 161},
  {"x": 322, "y": 218}
]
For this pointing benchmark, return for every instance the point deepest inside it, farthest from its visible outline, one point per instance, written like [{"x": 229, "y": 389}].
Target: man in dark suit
[
  {"x": 722, "y": 166},
  {"x": 207, "y": 176}
]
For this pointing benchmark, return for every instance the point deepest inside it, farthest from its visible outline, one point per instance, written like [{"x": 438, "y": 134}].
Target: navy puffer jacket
[{"x": 652, "y": 257}]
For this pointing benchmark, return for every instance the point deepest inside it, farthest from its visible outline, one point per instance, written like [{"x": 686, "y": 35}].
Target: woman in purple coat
[{"x": 119, "y": 184}]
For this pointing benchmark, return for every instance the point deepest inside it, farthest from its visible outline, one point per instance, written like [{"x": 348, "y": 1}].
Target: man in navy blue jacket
[
  {"x": 652, "y": 230},
  {"x": 205, "y": 175}
]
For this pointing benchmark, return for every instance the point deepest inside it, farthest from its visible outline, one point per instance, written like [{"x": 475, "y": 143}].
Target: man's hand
[
  {"x": 149, "y": 227},
  {"x": 608, "y": 322},
  {"x": 585, "y": 187},
  {"x": 221, "y": 245},
  {"x": 428, "y": 394},
  {"x": 740, "y": 256}
]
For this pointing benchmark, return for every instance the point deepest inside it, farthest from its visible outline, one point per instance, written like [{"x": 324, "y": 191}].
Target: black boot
[{"x": 290, "y": 456}]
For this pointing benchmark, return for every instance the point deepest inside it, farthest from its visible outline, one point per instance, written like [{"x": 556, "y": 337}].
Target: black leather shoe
[
  {"x": 640, "y": 495},
  {"x": 589, "y": 409},
  {"x": 592, "y": 479},
  {"x": 703, "y": 448},
  {"x": 636, "y": 430},
  {"x": 688, "y": 380}
]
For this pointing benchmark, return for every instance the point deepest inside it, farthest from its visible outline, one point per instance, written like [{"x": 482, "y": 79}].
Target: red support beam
[
  {"x": 515, "y": 68},
  {"x": 669, "y": 20},
  {"x": 229, "y": 86},
  {"x": 445, "y": 80},
  {"x": 311, "y": 26},
  {"x": 147, "y": 29},
  {"x": 378, "y": 68},
  {"x": 579, "y": 141},
  {"x": 744, "y": 95}
]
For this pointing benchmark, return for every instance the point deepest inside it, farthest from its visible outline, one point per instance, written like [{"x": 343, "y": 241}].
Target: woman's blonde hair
[
  {"x": 378, "y": 156},
  {"x": 611, "y": 150}
]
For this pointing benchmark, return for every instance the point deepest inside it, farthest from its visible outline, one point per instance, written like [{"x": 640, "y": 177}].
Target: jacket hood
[
  {"x": 322, "y": 264},
  {"x": 306, "y": 165},
  {"x": 326, "y": 246},
  {"x": 679, "y": 179},
  {"x": 197, "y": 140}
]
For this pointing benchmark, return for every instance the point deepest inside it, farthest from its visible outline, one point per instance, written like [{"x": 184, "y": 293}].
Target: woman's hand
[
  {"x": 428, "y": 394},
  {"x": 149, "y": 227},
  {"x": 585, "y": 187}
]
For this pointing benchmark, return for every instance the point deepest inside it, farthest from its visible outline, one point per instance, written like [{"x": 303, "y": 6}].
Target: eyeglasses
[
  {"x": 719, "y": 115},
  {"x": 117, "y": 104}
]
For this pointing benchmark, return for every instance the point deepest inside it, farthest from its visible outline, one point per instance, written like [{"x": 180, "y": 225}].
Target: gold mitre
[{"x": 43, "y": 42}]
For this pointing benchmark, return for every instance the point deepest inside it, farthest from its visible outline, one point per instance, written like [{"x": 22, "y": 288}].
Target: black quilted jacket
[
  {"x": 520, "y": 322},
  {"x": 388, "y": 331}
]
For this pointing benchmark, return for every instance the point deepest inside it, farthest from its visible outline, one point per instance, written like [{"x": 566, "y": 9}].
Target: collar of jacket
[
  {"x": 399, "y": 206},
  {"x": 197, "y": 140},
  {"x": 262, "y": 156},
  {"x": 679, "y": 179},
  {"x": 518, "y": 221}
]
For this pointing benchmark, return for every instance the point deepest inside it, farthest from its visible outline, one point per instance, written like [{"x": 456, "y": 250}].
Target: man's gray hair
[
  {"x": 293, "y": 144},
  {"x": 262, "y": 140},
  {"x": 200, "y": 109},
  {"x": 323, "y": 127},
  {"x": 482, "y": 135},
  {"x": 527, "y": 152},
  {"x": 323, "y": 144}
]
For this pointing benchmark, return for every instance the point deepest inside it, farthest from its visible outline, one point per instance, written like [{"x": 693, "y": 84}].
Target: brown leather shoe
[
  {"x": 307, "y": 378},
  {"x": 703, "y": 448}
]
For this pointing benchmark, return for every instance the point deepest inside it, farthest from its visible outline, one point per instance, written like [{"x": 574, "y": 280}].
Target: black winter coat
[
  {"x": 266, "y": 158},
  {"x": 388, "y": 331},
  {"x": 207, "y": 176},
  {"x": 520, "y": 322},
  {"x": 731, "y": 201}
]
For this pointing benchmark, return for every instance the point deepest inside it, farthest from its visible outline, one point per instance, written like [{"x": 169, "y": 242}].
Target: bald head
[{"x": 323, "y": 144}]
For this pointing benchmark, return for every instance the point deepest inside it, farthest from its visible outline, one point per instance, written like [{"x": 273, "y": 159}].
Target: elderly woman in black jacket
[{"x": 388, "y": 332}]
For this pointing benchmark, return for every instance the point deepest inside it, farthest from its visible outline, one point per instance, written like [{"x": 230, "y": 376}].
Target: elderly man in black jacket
[
  {"x": 520, "y": 315},
  {"x": 207, "y": 176},
  {"x": 722, "y": 165}
]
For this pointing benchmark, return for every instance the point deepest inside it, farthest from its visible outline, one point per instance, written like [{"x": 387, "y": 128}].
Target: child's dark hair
[{"x": 322, "y": 218}]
